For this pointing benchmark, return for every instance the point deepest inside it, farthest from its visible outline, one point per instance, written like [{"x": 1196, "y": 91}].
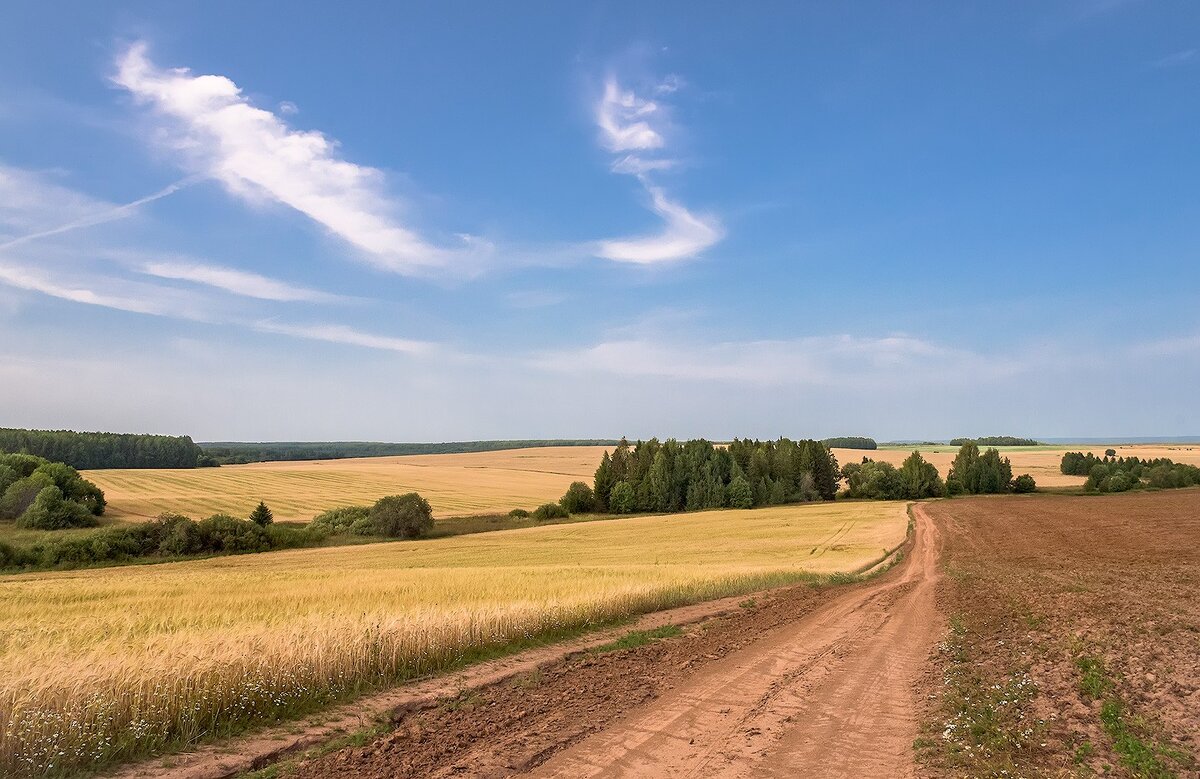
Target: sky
[{"x": 460, "y": 221}]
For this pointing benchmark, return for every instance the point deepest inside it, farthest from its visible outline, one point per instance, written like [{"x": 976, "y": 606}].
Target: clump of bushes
[
  {"x": 983, "y": 474},
  {"x": 550, "y": 511},
  {"x": 1121, "y": 474},
  {"x": 518, "y": 514},
  {"x": 401, "y": 516},
  {"x": 45, "y": 495},
  {"x": 347, "y": 520},
  {"x": 913, "y": 480}
]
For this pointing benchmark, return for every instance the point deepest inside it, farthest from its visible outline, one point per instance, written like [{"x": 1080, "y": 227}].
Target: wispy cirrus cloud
[
  {"x": 238, "y": 282},
  {"x": 635, "y": 128},
  {"x": 342, "y": 334},
  {"x": 256, "y": 155}
]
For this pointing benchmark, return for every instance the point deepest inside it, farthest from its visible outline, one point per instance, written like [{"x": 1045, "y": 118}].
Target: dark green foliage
[
  {"x": 851, "y": 442},
  {"x": 919, "y": 479},
  {"x": 233, "y": 452},
  {"x": 1024, "y": 483},
  {"x": 51, "y": 511},
  {"x": 1119, "y": 474},
  {"x": 670, "y": 476},
  {"x": 519, "y": 514},
  {"x": 354, "y": 520},
  {"x": 1110, "y": 452},
  {"x": 873, "y": 480},
  {"x": 103, "y": 450},
  {"x": 579, "y": 499},
  {"x": 549, "y": 511},
  {"x": 46, "y": 496},
  {"x": 402, "y": 516},
  {"x": 223, "y": 533},
  {"x": 623, "y": 499},
  {"x": 995, "y": 440},
  {"x": 262, "y": 515},
  {"x": 976, "y": 474}
]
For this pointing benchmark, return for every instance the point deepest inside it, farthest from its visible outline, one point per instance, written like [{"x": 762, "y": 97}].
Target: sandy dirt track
[
  {"x": 799, "y": 682},
  {"x": 829, "y": 695}
]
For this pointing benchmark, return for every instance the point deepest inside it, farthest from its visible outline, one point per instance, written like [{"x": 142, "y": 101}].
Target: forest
[{"x": 89, "y": 451}]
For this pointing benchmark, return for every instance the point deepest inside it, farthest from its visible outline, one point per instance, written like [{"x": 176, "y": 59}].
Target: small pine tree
[{"x": 262, "y": 515}]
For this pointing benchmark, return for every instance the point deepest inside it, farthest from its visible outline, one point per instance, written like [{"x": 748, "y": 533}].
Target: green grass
[{"x": 636, "y": 638}]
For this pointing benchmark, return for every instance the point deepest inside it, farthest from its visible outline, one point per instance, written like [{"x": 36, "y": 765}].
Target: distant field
[
  {"x": 1040, "y": 462},
  {"x": 108, "y": 663},
  {"x": 475, "y": 483}
]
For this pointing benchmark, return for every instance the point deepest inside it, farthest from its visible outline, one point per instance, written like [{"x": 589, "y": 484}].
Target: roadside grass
[
  {"x": 636, "y": 638},
  {"x": 1135, "y": 739},
  {"x": 986, "y": 718}
]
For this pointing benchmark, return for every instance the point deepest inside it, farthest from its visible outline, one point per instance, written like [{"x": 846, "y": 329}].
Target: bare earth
[{"x": 801, "y": 679}]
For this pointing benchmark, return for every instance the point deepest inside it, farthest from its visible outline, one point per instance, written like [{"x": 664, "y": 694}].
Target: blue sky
[{"x": 453, "y": 221}]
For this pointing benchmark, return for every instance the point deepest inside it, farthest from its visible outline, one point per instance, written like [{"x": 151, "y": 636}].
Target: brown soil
[
  {"x": 799, "y": 677},
  {"x": 1033, "y": 585}
]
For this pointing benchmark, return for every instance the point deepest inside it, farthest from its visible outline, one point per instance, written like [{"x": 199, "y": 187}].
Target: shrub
[
  {"x": 579, "y": 499},
  {"x": 262, "y": 515},
  {"x": 550, "y": 511},
  {"x": 344, "y": 520},
  {"x": 51, "y": 511},
  {"x": 178, "y": 535},
  {"x": 519, "y": 514},
  {"x": 223, "y": 533},
  {"x": 1024, "y": 483},
  {"x": 402, "y": 516},
  {"x": 1110, "y": 452},
  {"x": 11, "y": 557},
  {"x": 291, "y": 537}
]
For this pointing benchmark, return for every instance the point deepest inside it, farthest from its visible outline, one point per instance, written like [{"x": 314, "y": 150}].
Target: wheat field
[
  {"x": 108, "y": 664},
  {"x": 455, "y": 484}
]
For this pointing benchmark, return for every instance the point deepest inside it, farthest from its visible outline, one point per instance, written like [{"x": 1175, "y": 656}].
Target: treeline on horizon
[
  {"x": 92, "y": 450},
  {"x": 996, "y": 440},
  {"x": 237, "y": 453}
]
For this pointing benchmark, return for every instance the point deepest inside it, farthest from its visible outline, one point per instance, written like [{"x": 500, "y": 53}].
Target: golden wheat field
[
  {"x": 111, "y": 663},
  {"x": 454, "y": 484}
]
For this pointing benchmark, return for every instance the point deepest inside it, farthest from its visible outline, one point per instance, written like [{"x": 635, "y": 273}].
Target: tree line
[
  {"x": 996, "y": 440},
  {"x": 851, "y": 442},
  {"x": 236, "y": 453},
  {"x": 1120, "y": 474},
  {"x": 89, "y": 451}
]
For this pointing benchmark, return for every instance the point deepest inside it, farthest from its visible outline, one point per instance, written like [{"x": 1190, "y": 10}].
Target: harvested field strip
[{"x": 108, "y": 664}]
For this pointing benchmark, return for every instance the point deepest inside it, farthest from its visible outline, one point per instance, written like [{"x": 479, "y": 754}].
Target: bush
[
  {"x": 51, "y": 511},
  {"x": 579, "y": 499},
  {"x": 402, "y": 516},
  {"x": 11, "y": 557},
  {"x": 178, "y": 535},
  {"x": 223, "y": 533},
  {"x": 1024, "y": 483},
  {"x": 1110, "y": 452},
  {"x": 549, "y": 511},
  {"x": 347, "y": 519},
  {"x": 290, "y": 537},
  {"x": 518, "y": 514}
]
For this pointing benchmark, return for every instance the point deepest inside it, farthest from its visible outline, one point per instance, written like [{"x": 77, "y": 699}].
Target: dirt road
[
  {"x": 798, "y": 682},
  {"x": 829, "y": 695}
]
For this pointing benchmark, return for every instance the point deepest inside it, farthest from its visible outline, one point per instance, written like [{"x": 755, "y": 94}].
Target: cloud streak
[
  {"x": 633, "y": 126},
  {"x": 256, "y": 155},
  {"x": 236, "y": 281},
  {"x": 341, "y": 334}
]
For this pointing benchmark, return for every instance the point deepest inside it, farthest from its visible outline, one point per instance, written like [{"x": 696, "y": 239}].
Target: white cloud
[
  {"x": 255, "y": 155},
  {"x": 341, "y": 334},
  {"x": 33, "y": 202},
  {"x": 36, "y": 280},
  {"x": 634, "y": 125},
  {"x": 685, "y": 235},
  {"x": 1177, "y": 58},
  {"x": 831, "y": 361},
  {"x": 238, "y": 282}
]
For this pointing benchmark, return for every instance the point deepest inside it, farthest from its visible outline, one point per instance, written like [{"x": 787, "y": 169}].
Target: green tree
[
  {"x": 919, "y": 479},
  {"x": 606, "y": 479},
  {"x": 578, "y": 499},
  {"x": 51, "y": 511},
  {"x": 402, "y": 516},
  {"x": 262, "y": 515},
  {"x": 741, "y": 496},
  {"x": 623, "y": 499},
  {"x": 1024, "y": 483}
]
